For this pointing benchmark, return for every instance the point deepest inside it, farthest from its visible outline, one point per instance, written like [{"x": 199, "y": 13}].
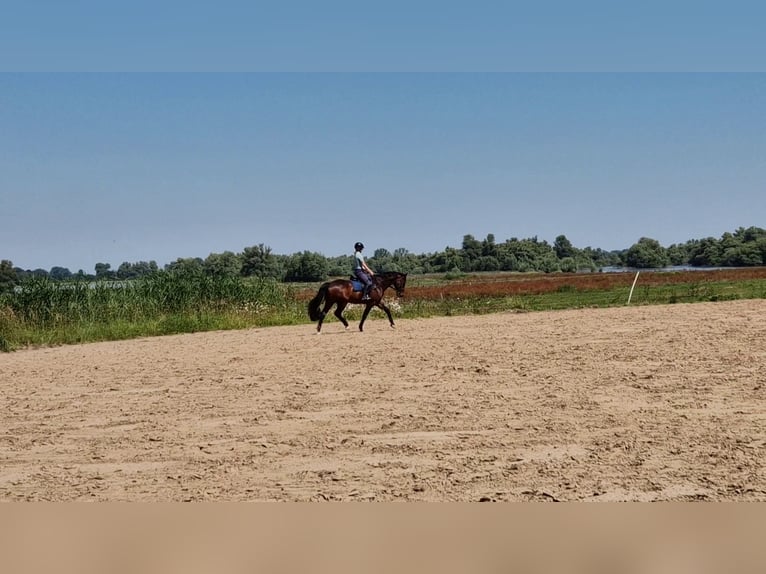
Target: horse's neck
[{"x": 385, "y": 281}]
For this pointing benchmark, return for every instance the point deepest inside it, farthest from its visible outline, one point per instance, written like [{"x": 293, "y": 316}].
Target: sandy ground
[{"x": 640, "y": 403}]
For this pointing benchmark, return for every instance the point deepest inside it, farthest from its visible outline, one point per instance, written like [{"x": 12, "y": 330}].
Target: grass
[
  {"x": 569, "y": 296},
  {"x": 43, "y": 312},
  {"x": 46, "y": 313}
]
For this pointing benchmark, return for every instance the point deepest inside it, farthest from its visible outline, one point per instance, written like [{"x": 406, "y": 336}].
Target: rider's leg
[
  {"x": 366, "y": 290},
  {"x": 365, "y": 279}
]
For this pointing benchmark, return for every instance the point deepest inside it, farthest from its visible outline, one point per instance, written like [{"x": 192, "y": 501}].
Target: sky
[
  {"x": 115, "y": 167},
  {"x": 392, "y": 36}
]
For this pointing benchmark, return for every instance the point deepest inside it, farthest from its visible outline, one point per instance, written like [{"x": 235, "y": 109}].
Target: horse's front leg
[
  {"x": 364, "y": 316},
  {"x": 388, "y": 312}
]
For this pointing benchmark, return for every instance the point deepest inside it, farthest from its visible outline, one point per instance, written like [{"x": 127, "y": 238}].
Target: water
[{"x": 668, "y": 269}]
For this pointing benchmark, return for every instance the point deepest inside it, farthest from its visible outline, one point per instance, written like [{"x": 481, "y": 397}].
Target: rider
[{"x": 362, "y": 271}]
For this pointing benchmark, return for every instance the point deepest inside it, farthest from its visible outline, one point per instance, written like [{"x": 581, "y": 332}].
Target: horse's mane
[{"x": 387, "y": 274}]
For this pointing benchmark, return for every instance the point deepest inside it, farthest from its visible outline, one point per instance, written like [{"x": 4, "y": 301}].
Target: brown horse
[{"x": 341, "y": 291}]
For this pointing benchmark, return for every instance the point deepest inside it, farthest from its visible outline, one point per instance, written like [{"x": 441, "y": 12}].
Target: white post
[{"x": 633, "y": 286}]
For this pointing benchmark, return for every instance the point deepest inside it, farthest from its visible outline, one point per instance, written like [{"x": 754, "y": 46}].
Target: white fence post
[{"x": 633, "y": 286}]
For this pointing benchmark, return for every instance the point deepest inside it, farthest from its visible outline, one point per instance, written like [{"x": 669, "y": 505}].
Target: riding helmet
[{"x": 358, "y": 246}]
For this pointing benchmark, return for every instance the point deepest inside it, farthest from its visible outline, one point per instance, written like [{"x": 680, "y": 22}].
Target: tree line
[{"x": 741, "y": 248}]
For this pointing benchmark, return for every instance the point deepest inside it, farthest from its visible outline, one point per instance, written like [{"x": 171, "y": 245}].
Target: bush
[{"x": 454, "y": 273}]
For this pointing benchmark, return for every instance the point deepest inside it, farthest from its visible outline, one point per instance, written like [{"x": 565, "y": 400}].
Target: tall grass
[{"x": 42, "y": 311}]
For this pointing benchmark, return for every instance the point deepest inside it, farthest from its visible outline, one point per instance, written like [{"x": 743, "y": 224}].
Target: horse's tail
[{"x": 314, "y": 304}]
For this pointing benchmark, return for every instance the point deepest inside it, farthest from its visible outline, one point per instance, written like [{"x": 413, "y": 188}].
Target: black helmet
[{"x": 358, "y": 246}]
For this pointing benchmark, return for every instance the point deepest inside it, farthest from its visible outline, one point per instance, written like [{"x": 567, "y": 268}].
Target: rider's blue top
[{"x": 358, "y": 260}]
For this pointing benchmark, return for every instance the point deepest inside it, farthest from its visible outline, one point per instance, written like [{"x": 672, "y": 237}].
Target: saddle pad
[{"x": 357, "y": 285}]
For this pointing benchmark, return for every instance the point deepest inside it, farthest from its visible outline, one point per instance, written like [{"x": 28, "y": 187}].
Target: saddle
[{"x": 356, "y": 284}]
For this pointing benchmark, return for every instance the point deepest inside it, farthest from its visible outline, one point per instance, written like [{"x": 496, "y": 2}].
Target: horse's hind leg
[
  {"x": 364, "y": 316},
  {"x": 339, "y": 314},
  {"x": 323, "y": 314}
]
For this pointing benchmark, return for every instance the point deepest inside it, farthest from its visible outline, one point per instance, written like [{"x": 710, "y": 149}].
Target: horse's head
[
  {"x": 400, "y": 280},
  {"x": 393, "y": 279}
]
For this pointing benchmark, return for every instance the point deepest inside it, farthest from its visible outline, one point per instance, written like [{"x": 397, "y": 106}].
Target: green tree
[
  {"x": 406, "y": 262},
  {"x": 507, "y": 259},
  {"x": 451, "y": 260},
  {"x": 600, "y": 258},
  {"x": 259, "y": 261},
  {"x": 729, "y": 241},
  {"x": 189, "y": 266},
  {"x": 125, "y": 270},
  {"x": 647, "y": 253},
  {"x": 486, "y": 263},
  {"x": 472, "y": 250},
  {"x": 226, "y": 264},
  {"x": 568, "y": 265},
  {"x": 705, "y": 253},
  {"x": 381, "y": 260},
  {"x": 60, "y": 273},
  {"x": 135, "y": 270},
  {"x": 340, "y": 266},
  {"x": 548, "y": 263},
  {"x": 8, "y": 276},
  {"x": 745, "y": 255},
  {"x": 677, "y": 255},
  {"x": 147, "y": 268},
  {"x": 760, "y": 245},
  {"x": 750, "y": 234},
  {"x": 563, "y": 247},
  {"x": 488, "y": 246},
  {"x": 306, "y": 266},
  {"x": 525, "y": 255},
  {"x": 103, "y": 271},
  {"x": 22, "y": 274}
]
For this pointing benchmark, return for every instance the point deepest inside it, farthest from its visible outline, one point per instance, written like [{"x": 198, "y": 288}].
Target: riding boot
[{"x": 366, "y": 293}]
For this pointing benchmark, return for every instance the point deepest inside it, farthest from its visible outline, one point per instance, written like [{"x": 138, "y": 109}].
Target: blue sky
[
  {"x": 130, "y": 167},
  {"x": 397, "y": 35}
]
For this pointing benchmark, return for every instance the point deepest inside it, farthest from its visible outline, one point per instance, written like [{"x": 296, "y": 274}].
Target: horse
[{"x": 341, "y": 292}]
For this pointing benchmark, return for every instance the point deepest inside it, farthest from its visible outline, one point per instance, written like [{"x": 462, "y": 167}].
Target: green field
[{"x": 43, "y": 312}]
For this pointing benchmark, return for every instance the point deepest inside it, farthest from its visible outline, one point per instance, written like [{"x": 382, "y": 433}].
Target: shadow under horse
[{"x": 341, "y": 292}]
